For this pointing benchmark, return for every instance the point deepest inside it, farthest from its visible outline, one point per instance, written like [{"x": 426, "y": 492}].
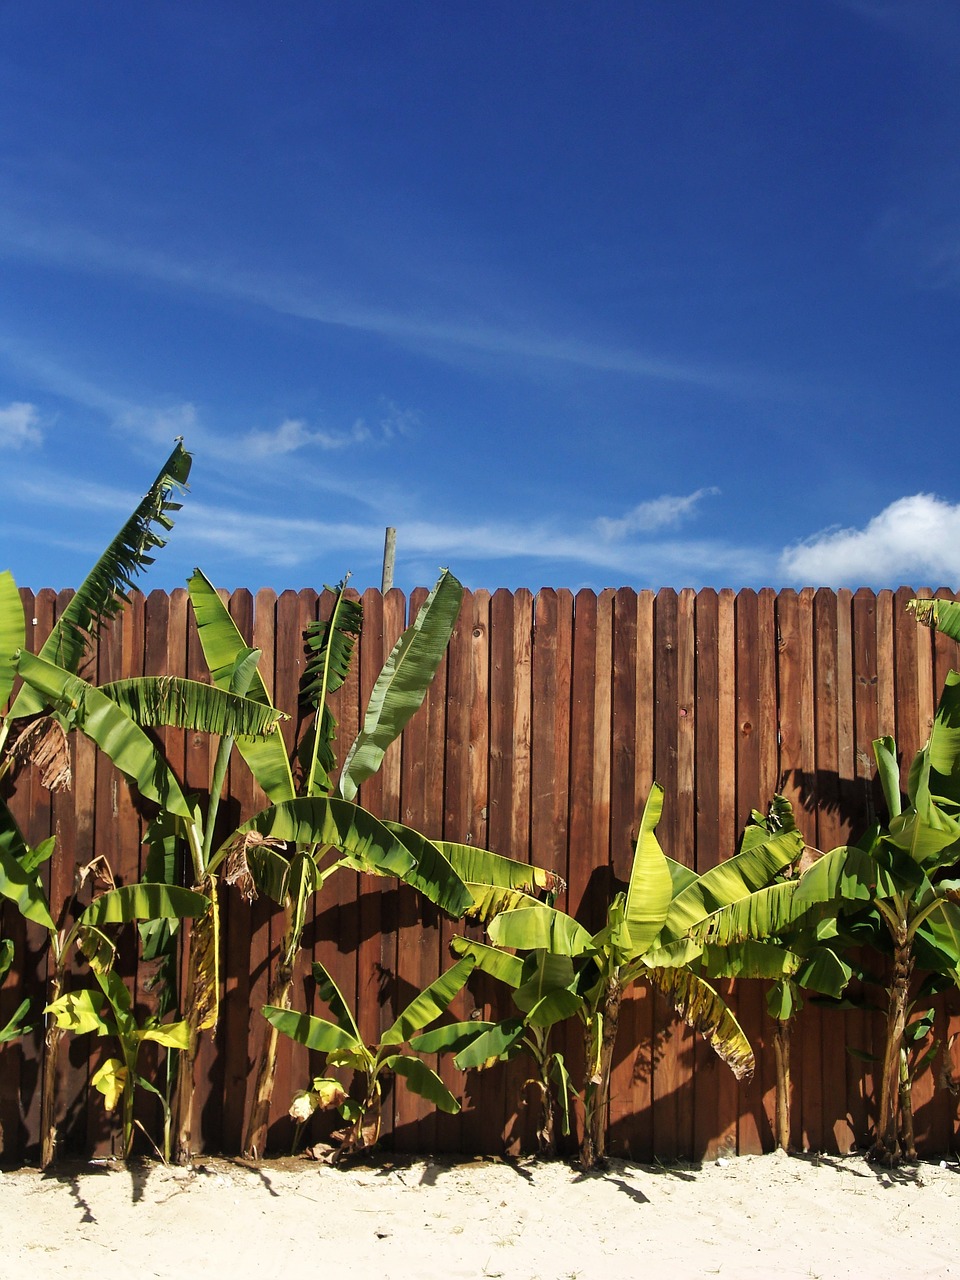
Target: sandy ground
[{"x": 769, "y": 1216}]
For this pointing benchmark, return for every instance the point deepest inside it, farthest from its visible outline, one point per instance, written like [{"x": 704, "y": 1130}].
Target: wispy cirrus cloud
[
  {"x": 916, "y": 538},
  {"x": 293, "y": 434},
  {"x": 429, "y": 331},
  {"x": 20, "y": 425},
  {"x": 665, "y": 512},
  {"x": 161, "y": 423}
]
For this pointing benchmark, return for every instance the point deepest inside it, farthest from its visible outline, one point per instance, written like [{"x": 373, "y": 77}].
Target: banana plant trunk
[
  {"x": 48, "y": 1088},
  {"x": 593, "y": 1148},
  {"x": 202, "y": 1006},
  {"x": 546, "y": 1130},
  {"x": 281, "y": 991},
  {"x": 906, "y": 1109},
  {"x": 781, "y": 1046},
  {"x": 887, "y": 1145}
]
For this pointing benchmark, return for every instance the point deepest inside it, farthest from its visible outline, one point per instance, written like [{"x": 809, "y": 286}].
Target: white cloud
[
  {"x": 915, "y": 539},
  {"x": 19, "y": 426},
  {"x": 293, "y": 434},
  {"x": 665, "y": 512}
]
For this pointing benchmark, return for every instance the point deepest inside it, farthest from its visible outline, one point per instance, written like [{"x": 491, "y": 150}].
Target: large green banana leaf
[
  {"x": 432, "y": 873},
  {"x": 824, "y": 971},
  {"x": 331, "y": 644},
  {"x": 429, "y": 1003},
  {"x": 499, "y": 964},
  {"x": 934, "y": 777},
  {"x": 451, "y": 1037},
  {"x": 102, "y": 593},
  {"x": 490, "y": 1044},
  {"x": 402, "y": 684},
  {"x": 223, "y": 646},
  {"x": 925, "y": 830},
  {"x": 888, "y": 770},
  {"x": 651, "y": 885},
  {"x": 144, "y": 902},
  {"x": 12, "y": 633},
  {"x": 332, "y": 996},
  {"x": 847, "y": 873},
  {"x": 539, "y": 927},
  {"x": 20, "y": 886},
  {"x": 751, "y": 960},
  {"x": 422, "y": 1080},
  {"x": 482, "y": 867},
  {"x": 117, "y": 736},
  {"x": 326, "y": 820},
  {"x": 743, "y": 874},
  {"x": 153, "y": 701},
  {"x": 315, "y": 1033}
]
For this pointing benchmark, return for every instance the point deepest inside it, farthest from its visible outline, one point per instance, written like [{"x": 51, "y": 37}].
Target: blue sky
[{"x": 604, "y": 294}]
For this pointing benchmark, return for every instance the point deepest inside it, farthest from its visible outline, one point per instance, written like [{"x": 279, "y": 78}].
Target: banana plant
[
  {"x": 646, "y": 938},
  {"x": 542, "y": 988},
  {"x": 346, "y": 1050},
  {"x": 895, "y": 889},
  {"x": 914, "y": 896},
  {"x": 109, "y": 1011},
  {"x": 54, "y": 699},
  {"x": 313, "y": 828}
]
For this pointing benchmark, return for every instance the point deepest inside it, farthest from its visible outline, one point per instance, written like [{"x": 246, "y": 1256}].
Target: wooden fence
[{"x": 540, "y": 737}]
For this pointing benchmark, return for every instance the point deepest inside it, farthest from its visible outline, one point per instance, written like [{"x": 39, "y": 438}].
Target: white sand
[{"x": 757, "y": 1216}]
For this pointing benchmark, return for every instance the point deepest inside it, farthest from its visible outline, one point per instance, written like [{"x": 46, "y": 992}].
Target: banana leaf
[
  {"x": 751, "y": 959},
  {"x": 331, "y": 643},
  {"x": 491, "y": 1045},
  {"x": 651, "y": 886},
  {"x": 402, "y": 684},
  {"x": 12, "y": 633},
  {"x": 498, "y": 964},
  {"x": 482, "y": 867},
  {"x": 314, "y": 1033},
  {"x": 432, "y": 873},
  {"x": 21, "y": 887},
  {"x": 450, "y": 1038},
  {"x": 743, "y": 874},
  {"x": 153, "y": 701},
  {"x": 120, "y": 739},
  {"x": 103, "y": 592},
  {"x": 420, "y": 1079},
  {"x": 540, "y": 927},
  {"x": 702, "y": 1009},
  {"x": 16, "y": 1026},
  {"x": 941, "y": 615},
  {"x": 885, "y": 753},
  {"x": 144, "y": 902},
  {"x": 332, "y": 996},
  {"x": 430, "y": 1003},
  {"x": 223, "y": 646},
  {"x": 326, "y": 820},
  {"x": 80, "y": 1012}
]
